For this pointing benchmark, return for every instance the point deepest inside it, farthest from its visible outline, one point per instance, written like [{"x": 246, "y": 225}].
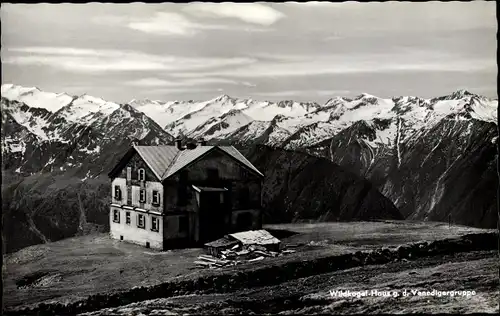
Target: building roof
[
  {"x": 184, "y": 158},
  {"x": 157, "y": 157},
  {"x": 235, "y": 153},
  {"x": 255, "y": 237},
  {"x": 165, "y": 161}
]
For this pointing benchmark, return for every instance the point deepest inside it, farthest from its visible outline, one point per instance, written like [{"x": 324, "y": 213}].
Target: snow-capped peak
[
  {"x": 364, "y": 96},
  {"x": 36, "y": 98},
  {"x": 461, "y": 93},
  {"x": 222, "y": 97}
]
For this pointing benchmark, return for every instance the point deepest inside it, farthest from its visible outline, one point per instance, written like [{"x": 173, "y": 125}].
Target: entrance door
[{"x": 212, "y": 216}]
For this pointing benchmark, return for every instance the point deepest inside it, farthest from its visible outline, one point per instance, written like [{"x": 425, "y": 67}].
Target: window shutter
[
  {"x": 156, "y": 197},
  {"x": 118, "y": 193},
  {"x": 129, "y": 173}
]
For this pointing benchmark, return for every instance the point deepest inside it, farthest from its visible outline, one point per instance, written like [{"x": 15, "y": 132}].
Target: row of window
[
  {"x": 213, "y": 173},
  {"x": 142, "y": 195},
  {"x": 183, "y": 195},
  {"x": 141, "y": 220}
]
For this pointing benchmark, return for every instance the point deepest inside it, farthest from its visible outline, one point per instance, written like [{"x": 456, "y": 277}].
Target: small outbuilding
[
  {"x": 215, "y": 247},
  {"x": 257, "y": 238},
  {"x": 252, "y": 238}
]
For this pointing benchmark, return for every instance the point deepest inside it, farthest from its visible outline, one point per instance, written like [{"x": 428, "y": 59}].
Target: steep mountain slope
[
  {"x": 49, "y": 206},
  {"x": 442, "y": 168},
  {"x": 85, "y": 133},
  {"x": 302, "y": 187},
  {"x": 448, "y": 171}
]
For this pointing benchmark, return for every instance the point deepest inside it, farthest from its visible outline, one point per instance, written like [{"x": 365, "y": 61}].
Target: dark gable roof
[{"x": 165, "y": 161}]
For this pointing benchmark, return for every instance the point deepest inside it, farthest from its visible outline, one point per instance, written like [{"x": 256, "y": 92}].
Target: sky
[{"x": 264, "y": 51}]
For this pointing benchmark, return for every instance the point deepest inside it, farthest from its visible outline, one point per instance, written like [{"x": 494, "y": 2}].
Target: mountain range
[{"x": 433, "y": 158}]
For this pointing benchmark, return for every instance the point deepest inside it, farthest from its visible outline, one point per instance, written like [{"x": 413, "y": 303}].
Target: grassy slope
[
  {"x": 476, "y": 271},
  {"x": 86, "y": 265}
]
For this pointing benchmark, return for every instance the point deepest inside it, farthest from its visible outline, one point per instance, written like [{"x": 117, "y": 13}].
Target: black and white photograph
[{"x": 260, "y": 158}]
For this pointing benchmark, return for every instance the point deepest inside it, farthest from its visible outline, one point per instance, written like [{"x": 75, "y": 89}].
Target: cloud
[
  {"x": 165, "y": 23},
  {"x": 176, "y": 24},
  {"x": 248, "y": 12},
  {"x": 354, "y": 63},
  {"x": 157, "y": 82},
  {"x": 91, "y": 61}
]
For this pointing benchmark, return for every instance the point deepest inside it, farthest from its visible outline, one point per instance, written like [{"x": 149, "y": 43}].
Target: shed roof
[
  {"x": 255, "y": 237},
  {"x": 165, "y": 161},
  {"x": 222, "y": 242}
]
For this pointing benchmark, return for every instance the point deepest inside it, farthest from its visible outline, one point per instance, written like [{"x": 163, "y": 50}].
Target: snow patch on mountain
[
  {"x": 86, "y": 109},
  {"x": 224, "y": 124},
  {"x": 485, "y": 111},
  {"x": 33, "y": 123},
  {"x": 13, "y": 146},
  {"x": 34, "y": 97}
]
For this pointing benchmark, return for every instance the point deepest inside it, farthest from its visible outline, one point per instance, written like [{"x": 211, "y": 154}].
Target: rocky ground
[{"x": 92, "y": 273}]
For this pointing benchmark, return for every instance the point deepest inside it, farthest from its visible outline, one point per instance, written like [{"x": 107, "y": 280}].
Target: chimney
[
  {"x": 190, "y": 145},
  {"x": 202, "y": 142},
  {"x": 178, "y": 143}
]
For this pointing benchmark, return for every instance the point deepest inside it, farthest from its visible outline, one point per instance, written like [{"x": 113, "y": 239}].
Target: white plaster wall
[
  {"x": 150, "y": 187},
  {"x": 122, "y": 182},
  {"x": 134, "y": 234}
]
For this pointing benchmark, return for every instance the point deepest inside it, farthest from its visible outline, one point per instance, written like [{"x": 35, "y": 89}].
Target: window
[
  {"x": 140, "y": 221},
  {"x": 142, "y": 174},
  {"x": 155, "y": 224},
  {"x": 118, "y": 193},
  {"x": 213, "y": 174},
  {"x": 142, "y": 195},
  {"x": 116, "y": 216},
  {"x": 183, "y": 224},
  {"x": 127, "y": 218},
  {"x": 156, "y": 197}
]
